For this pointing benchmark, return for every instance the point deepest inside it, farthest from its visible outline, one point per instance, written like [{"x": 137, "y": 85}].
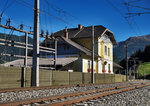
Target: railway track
[
  {"x": 70, "y": 99},
  {"x": 51, "y": 87}
]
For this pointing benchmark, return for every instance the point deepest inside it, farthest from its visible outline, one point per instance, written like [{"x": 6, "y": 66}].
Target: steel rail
[
  {"x": 76, "y": 94},
  {"x": 53, "y": 87},
  {"x": 68, "y": 103}
]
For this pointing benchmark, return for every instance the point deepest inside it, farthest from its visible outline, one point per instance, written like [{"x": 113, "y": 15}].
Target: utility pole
[
  {"x": 92, "y": 57},
  {"x": 26, "y": 49},
  {"x": 55, "y": 55},
  {"x": 35, "y": 62},
  {"x": 126, "y": 62},
  {"x": 23, "y": 84}
]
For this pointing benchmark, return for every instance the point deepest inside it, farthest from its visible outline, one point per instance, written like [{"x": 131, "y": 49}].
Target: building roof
[
  {"x": 85, "y": 32},
  {"x": 49, "y": 62},
  {"x": 43, "y": 62},
  {"x": 79, "y": 47},
  {"x": 115, "y": 65}
]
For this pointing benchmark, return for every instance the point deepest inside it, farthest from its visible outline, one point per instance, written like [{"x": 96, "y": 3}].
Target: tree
[{"x": 147, "y": 53}]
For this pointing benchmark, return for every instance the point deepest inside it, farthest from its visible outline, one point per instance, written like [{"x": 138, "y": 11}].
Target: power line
[
  {"x": 49, "y": 14},
  {"x": 45, "y": 15},
  {"x": 135, "y": 14},
  {"x": 6, "y": 6},
  {"x": 42, "y": 11},
  {"x": 61, "y": 10},
  {"x": 24, "y": 3},
  {"x": 138, "y": 28},
  {"x": 121, "y": 15},
  {"x": 27, "y": 3},
  {"x": 50, "y": 19},
  {"x": 136, "y": 6},
  {"x": 130, "y": 16}
]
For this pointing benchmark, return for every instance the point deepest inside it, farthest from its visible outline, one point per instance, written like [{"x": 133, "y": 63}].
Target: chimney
[
  {"x": 80, "y": 26},
  {"x": 66, "y": 33}
]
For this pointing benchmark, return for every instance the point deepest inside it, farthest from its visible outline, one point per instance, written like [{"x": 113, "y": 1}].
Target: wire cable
[
  {"x": 6, "y": 6},
  {"x": 127, "y": 6},
  {"x": 121, "y": 15},
  {"x": 25, "y": 4},
  {"x": 61, "y": 10}
]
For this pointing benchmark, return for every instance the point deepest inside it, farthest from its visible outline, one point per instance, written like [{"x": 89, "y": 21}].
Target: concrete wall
[
  {"x": 60, "y": 78},
  {"x": 75, "y": 78},
  {"x": 10, "y": 77}
]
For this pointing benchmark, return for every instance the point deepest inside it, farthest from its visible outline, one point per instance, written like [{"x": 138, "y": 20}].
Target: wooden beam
[
  {"x": 19, "y": 30},
  {"x": 20, "y": 43},
  {"x": 23, "y": 47}
]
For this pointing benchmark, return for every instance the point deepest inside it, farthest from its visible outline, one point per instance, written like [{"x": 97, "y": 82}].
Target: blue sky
[{"x": 85, "y": 12}]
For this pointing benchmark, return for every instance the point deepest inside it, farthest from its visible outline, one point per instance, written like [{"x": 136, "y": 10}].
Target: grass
[{"x": 144, "y": 69}]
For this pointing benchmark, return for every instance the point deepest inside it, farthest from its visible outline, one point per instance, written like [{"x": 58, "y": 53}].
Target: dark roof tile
[{"x": 85, "y": 32}]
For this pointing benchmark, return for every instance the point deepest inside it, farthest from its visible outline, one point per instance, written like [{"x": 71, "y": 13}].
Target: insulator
[
  {"x": 21, "y": 26},
  {"x": 8, "y": 22},
  {"x": 42, "y": 33}
]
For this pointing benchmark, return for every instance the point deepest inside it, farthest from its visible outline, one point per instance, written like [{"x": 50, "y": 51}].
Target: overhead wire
[
  {"x": 45, "y": 12},
  {"x": 42, "y": 11},
  {"x": 121, "y": 15},
  {"x": 138, "y": 28},
  {"x": 50, "y": 20},
  {"x": 6, "y": 6},
  {"x": 25, "y": 4},
  {"x": 138, "y": 7},
  {"x": 45, "y": 15},
  {"x": 130, "y": 16},
  {"x": 61, "y": 10},
  {"x": 49, "y": 14}
]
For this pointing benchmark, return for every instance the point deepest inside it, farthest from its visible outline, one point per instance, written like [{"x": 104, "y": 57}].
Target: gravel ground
[
  {"x": 25, "y": 95},
  {"x": 138, "y": 97}
]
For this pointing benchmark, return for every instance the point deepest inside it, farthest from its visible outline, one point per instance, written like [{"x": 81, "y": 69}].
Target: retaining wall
[{"x": 10, "y": 77}]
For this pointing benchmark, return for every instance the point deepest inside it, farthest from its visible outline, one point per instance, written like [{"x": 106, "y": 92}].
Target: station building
[{"x": 77, "y": 42}]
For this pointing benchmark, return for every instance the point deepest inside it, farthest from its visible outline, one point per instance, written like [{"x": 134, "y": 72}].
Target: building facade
[{"x": 78, "y": 41}]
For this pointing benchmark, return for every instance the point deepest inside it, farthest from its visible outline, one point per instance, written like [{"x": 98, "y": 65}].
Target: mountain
[{"x": 134, "y": 43}]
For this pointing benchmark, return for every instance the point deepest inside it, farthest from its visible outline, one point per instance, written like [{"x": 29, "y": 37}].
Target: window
[
  {"x": 108, "y": 51},
  {"x": 105, "y": 50}
]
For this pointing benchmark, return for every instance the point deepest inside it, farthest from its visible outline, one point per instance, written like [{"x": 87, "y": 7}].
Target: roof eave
[{"x": 115, "y": 41}]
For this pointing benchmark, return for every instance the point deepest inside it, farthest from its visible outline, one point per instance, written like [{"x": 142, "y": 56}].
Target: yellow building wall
[
  {"x": 111, "y": 52},
  {"x": 85, "y": 65},
  {"x": 102, "y": 49},
  {"x": 108, "y": 59},
  {"x": 109, "y": 45},
  {"x": 99, "y": 48},
  {"x": 85, "y": 59}
]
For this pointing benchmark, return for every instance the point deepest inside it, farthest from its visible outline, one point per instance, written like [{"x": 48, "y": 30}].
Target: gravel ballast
[
  {"x": 137, "y": 97},
  {"x": 26, "y": 95}
]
